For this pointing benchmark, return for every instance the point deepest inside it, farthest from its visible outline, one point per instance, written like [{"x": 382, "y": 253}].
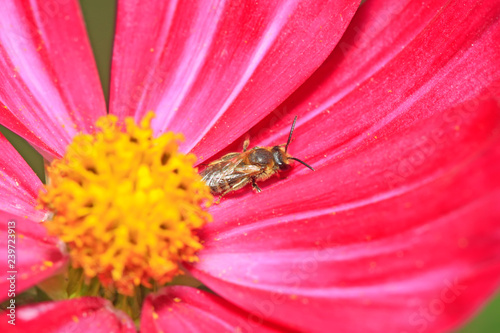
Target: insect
[{"x": 235, "y": 170}]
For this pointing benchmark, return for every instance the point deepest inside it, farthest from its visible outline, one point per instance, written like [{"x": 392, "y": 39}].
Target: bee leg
[
  {"x": 246, "y": 143},
  {"x": 223, "y": 194},
  {"x": 234, "y": 187},
  {"x": 220, "y": 197},
  {"x": 255, "y": 186}
]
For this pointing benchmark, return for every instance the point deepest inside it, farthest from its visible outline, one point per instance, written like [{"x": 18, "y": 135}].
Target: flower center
[{"x": 127, "y": 204}]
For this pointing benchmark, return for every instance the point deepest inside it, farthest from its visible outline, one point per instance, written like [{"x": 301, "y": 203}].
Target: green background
[{"x": 99, "y": 17}]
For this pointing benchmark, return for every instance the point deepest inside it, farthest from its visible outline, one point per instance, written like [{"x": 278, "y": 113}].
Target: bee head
[
  {"x": 280, "y": 153},
  {"x": 280, "y": 158}
]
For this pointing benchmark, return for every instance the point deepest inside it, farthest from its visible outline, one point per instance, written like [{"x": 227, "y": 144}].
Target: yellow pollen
[{"x": 127, "y": 204}]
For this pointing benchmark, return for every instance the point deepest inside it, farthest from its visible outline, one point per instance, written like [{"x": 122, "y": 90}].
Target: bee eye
[{"x": 278, "y": 156}]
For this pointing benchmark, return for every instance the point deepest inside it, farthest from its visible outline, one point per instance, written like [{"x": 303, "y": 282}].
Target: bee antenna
[
  {"x": 290, "y": 135},
  {"x": 301, "y": 162}
]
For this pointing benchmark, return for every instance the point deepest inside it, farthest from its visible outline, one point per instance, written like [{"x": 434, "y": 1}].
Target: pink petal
[
  {"x": 353, "y": 250},
  {"x": 202, "y": 66},
  {"x": 87, "y": 314},
  {"x": 398, "y": 225},
  {"x": 19, "y": 185},
  {"x": 37, "y": 256},
  {"x": 343, "y": 102},
  {"x": 50, "y": 89},
  {"x": 185, "y": 309}
]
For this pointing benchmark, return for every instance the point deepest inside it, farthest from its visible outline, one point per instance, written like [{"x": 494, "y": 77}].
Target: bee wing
[
  {"x": 247, "y": 169},
  {"x": 215, "y": 172},
  {"x": 228, "y": 172},
  {"x": 227, "y": 157},
  {"x": 237, "y": 177}
]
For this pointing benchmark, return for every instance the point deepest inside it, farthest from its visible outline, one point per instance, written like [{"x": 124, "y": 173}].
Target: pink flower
[{"x": 397, "y": 230}]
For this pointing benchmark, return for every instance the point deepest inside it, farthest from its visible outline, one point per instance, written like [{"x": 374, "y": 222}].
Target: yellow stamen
[{"x": 127, "y": 204}]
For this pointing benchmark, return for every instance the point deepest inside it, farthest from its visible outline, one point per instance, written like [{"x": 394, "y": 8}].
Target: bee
[{"x": 236, "y": 170}]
